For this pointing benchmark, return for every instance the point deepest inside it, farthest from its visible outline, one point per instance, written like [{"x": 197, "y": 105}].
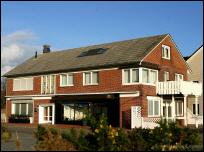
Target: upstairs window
[
  {"x": 131, "y": 76},
  {"x": 66, "y": 79},
  {"x": 90, "y": 78},
  {"x": 149, "y": 76},
  {"x": 166, "y": 76},
  {"x": 178, "y": 77},
  {"x": 23, "y": 84},
  {"x": 166, "y": 52}
]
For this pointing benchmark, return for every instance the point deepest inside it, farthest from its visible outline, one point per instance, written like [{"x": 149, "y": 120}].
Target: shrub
[
  {"x": 5, "y": 134},
  {"x": 14, "y": 118},
  {"x": 51, "y": 140}
]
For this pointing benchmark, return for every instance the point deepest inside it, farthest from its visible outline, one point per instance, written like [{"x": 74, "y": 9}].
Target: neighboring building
[
  {"x": 147, "y": 74},
  {"x": 195, "y": 61}
]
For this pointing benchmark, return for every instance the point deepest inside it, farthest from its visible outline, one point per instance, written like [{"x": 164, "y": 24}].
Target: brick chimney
[{"x": 46, "y": 48}]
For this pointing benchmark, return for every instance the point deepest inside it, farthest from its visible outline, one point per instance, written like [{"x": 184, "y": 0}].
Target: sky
[{"x": 26, "y": 26}]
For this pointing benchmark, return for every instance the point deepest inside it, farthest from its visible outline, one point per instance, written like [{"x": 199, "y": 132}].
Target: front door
[
  {"x": 46, "y": 113},
  {"x": 167, "y": 110}
]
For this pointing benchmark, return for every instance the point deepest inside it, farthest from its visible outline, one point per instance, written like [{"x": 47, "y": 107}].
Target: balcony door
[
  {"x": 167, "y": 110},
  {"x": 48, "y": 84}
]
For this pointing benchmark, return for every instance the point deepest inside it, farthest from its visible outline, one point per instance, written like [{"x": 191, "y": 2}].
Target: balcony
[{"x": 179, "y": 87}]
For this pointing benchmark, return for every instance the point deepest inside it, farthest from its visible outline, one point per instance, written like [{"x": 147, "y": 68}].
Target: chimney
[
  {"x": 46, "y": 48},
  {"x": 36, "y": 54}
]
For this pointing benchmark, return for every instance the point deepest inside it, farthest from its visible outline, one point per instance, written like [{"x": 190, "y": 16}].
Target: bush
[
  {"x": 14, "y": 118},
  {"x": 5, "y": 134},
  {"x": 51, "y": 140}
]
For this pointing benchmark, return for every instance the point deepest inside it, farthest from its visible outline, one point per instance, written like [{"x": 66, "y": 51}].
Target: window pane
[
  {"x": 52, "y": 83},
  {"x": 16, "y": 84},
  {"x": 48, "y": 84},
  {"x": 153, "y": 76},
  {"x": 23, "y": 84},
  {"x": 145, "y": 76},
  {"x": 127, "y": 76},
  {"x": 95, "y": 77},
  {"x": 87, "y": 78},
  {"x": 23, "y": 108},
  {"x": 68, "y": 112},
  {"x": 167, "y": 52},
  {"x": 156, "y": 107},
  {"x": 43, "y": 84},
  {"x": 163, "y": 54},
  {"x": 180, "y": 108},
  {"x": 30, "y": 109},
  {"x": 64, "y": 79},
  {"x": 150, "y": 107},
  {"x": 30, "y": 84},
  {"x": 17, "y": 106},
  {"x": 169, "y": 111},
  {"x": 70, "y": 79},
  {"x": 135, "y": 75}
]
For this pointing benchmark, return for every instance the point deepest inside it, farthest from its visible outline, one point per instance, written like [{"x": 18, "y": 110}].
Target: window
[
  {"x": 149, "y": 76},
  {"x": 22, "y": 84},
  {"x": 179, "y": 108},
  {"x": 23, "y": 108},
  {"x": 166, "y": 52},
  {"x": 178, "y": 77},
  {"x": 90, "y": 78},
  {"x": 166, "y": 76},
  {"x": 153, "y": 106},
  {"x": 194, "y": 109},
  {"x": 48, "y": 84},
  {"x": 145, "y": 75},
  {"x": 66, "y": 79},
  {"x": 131, "y": 76}
]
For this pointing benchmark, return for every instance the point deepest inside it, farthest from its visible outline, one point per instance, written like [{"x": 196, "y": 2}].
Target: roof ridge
[{"x": 72, "y": 49}]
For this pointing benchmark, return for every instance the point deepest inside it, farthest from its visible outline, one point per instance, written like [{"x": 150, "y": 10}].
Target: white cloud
[{"x": 16, "y": 48}]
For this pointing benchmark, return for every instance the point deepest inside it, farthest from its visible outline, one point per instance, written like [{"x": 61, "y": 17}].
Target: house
[
  {"x": 195, "y": 61},
  {"x": 133, "y": 82}
]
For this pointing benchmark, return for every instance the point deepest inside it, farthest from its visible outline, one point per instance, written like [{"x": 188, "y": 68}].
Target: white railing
[
  {"x": 150, "y": 123},
  {"x": 177, "y": 87}
]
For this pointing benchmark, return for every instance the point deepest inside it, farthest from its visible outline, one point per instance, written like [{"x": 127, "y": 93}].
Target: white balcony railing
[{"x": 179, "y": 87}]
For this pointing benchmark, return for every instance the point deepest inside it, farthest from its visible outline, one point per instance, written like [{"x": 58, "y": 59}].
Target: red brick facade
[{"x": 111, "y": 81}]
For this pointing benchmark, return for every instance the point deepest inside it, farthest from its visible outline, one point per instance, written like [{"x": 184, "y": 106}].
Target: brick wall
[
  {"x": 8, "y": 109},
  {"x": 36, "y": 87}
]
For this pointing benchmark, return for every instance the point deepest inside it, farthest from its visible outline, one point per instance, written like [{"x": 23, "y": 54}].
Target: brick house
[{"x": 114, "y": 78}]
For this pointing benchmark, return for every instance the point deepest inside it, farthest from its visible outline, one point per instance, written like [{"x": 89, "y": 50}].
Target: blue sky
[{"x": 26, "y": 26}]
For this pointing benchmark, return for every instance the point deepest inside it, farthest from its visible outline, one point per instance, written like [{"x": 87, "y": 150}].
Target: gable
[{"x": 176, "y": 60}]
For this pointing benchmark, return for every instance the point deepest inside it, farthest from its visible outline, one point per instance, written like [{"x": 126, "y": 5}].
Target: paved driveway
[{"x": 25, "y": 135}]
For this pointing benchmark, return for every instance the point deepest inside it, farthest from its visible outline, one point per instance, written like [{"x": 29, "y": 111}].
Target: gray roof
[{"x": 117, "y": 53}]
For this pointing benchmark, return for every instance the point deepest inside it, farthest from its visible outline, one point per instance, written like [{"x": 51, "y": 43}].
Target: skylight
[{"x": 95, "y": 51}]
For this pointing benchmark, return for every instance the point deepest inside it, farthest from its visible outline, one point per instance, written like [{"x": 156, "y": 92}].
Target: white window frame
[
  {"x": 13, "y": 110},
  {"x": 46, "y": 82},
  {"x": 131, "y": 82},
  {"x": 153, "y": 99},
  {"x": 91, "y": 73},
  {"x": 178, "y": 75},
  {"x": 169, "y": 52},
  {"x": 19, "y": 88},
  {"x": 177, "y": 109},
  {"x": 66, "y": 85},
  {"x": 166, "y": 75},
  {"x": 140, "y": 76}
]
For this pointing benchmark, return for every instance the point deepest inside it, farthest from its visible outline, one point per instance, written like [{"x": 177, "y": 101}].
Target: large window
[
  {"x": 73, "y": 112},
  {"x": 90, "y": 78},
  {"x": 139, "y": 75},
  {"x": 23, "y": 84},
  {"x": 66, "y": 80},
  {"x": 131, "y": 76},
  {"x": 166, "y": 52},
  {"x": 48, "y": 84},
  {"x": 153, "y": 107},
  {"x": 23, "y": 109},
  {"x": 178, "y": 77}
]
